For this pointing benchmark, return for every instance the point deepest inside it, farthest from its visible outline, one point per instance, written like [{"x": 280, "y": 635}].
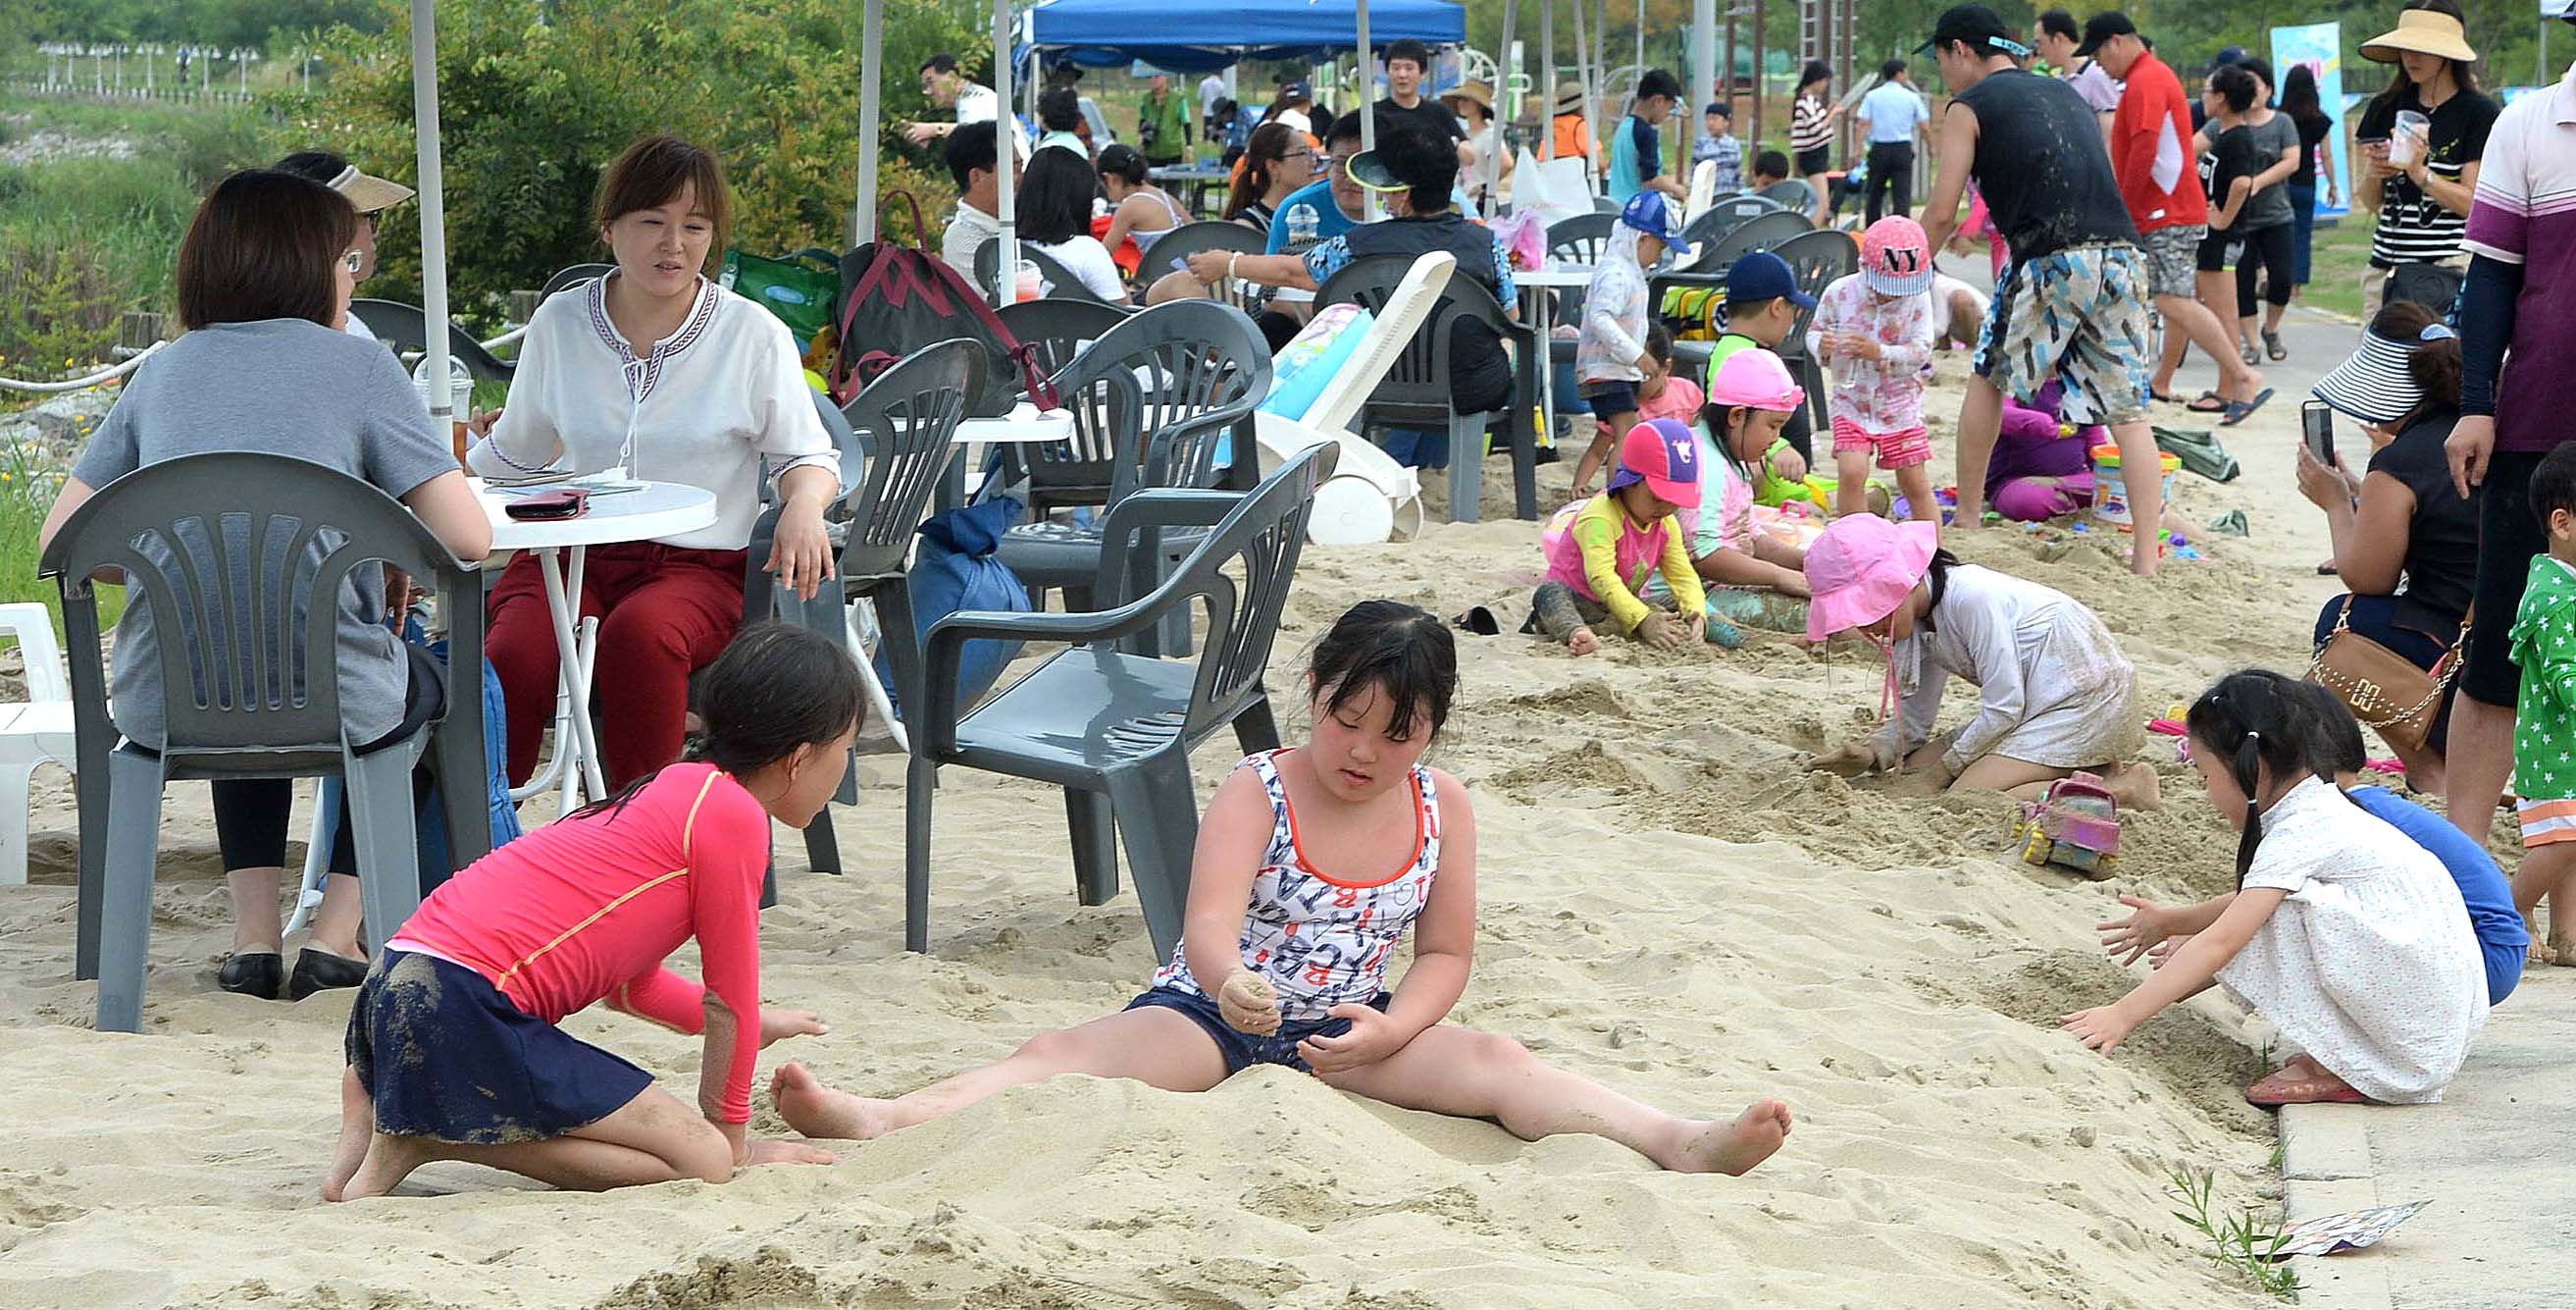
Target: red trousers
[{"x": 664, "y": 612}]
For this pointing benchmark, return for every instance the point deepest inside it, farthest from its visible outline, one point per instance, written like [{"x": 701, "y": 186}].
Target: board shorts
[
  {"x": 1895, "y": 450},
  {"x": 2172, "y": 256},
  {"x": 2077, "y": 316},
  {"x": 1610, "y": 396},
  {"x": 445, "y": 1055},
  {"x": 1243, "y": 1050}
]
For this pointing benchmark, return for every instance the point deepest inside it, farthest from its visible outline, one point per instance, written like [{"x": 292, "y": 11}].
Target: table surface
[
  {"x": 1187, "y": 173},
  {"x": 1025, "y": 423},
  {"x": 659, "y": 509},
  {"x": 1563, "y": 275}
]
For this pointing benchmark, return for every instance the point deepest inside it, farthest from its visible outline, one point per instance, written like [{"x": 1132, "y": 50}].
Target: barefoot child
[
  {"x": 1611, "y": 356},
  {"x": 2544, "y": 717},
  {"x": 1284, "y": 962},
  {"x": 1660, "y": 394},
  {"x": 2055, "y": 695},
  {"x": 1751, "y": 575},
  {"x": 2345, "y": 935},
  {"x": 1873, "y": 330},
  {"x": 453, "y": 1049},
  {"x": 1600, "y": 552}
]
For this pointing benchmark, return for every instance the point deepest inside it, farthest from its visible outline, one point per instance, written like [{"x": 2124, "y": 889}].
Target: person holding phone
[
  {"x": 2405, "y": 539},
  {"x": 2423, "y": 187}
]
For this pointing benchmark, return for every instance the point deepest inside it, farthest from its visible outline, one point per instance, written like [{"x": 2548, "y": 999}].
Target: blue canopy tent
[{"x": 1173, "y": 33}]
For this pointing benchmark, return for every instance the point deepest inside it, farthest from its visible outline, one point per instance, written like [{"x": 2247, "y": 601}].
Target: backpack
[
  {"x": 2434, "y": 287},
  {"x": 898, "y": 299}
]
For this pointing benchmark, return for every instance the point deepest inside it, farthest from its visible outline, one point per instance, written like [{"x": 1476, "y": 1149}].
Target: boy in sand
[
  {"x": 2544, "y": 719},
  {"x": 1283, "y": 963},
  {"x": 1762, "y": 307}
]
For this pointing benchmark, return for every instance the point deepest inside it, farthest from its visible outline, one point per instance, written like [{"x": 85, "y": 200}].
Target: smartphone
[
  {"x": 2316, "y": 424},
  {"x": 564, "y": 503}
]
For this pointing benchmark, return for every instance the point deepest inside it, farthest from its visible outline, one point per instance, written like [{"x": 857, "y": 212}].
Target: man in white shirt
[
  {"x": 948, "y": 88},
  {"x": 370, "y": 196},
  {"x": 2056, "y": 41},
  {"x": 1211, "y": 90},
  {"x": 973, "y": 160},
  {"x": 1892, "y": 118}
]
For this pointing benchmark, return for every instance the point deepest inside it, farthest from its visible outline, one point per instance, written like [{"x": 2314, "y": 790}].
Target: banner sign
[{"x": 2320, "y": 47}]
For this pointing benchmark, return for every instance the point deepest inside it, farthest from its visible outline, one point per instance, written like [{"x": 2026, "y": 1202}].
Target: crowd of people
[{"x": 2372, "y": 934}]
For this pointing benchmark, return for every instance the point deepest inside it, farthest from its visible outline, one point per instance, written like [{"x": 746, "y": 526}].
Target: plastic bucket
[{"x": 2111, "y": 492}]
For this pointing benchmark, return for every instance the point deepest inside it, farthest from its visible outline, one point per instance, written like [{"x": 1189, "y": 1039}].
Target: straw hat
[
  {"x": 1569, "y": 99},
  {"x": 1477, "y": 92},
  {"x": 2424, "y": 32}
]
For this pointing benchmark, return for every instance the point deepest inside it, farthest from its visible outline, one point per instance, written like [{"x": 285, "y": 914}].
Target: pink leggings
[{"x": 2029, "y": 500}]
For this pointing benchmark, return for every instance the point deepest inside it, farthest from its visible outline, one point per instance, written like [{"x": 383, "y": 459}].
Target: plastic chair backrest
[
  {"x": 240, "y": 559},
  {"x": 1189, "y": 239},
  {"x": 1258, "y": 540},
  {"x": 1761, "y": 232},
  {"x": 406, "y": 329},
  {"x": 38, "y": 650},
  {"x": 1392, "y": 328},
  {"x": 1159, "y": 390},
  {"x": 1582, "y": 239},
  {"x": 1817, "y": 257},
  {"x": 1724, "y": 213},
  {"x": 572, "y": 276},
  {"x": 1419, "y": 379},
  {"x": 1605, "y": 205},
  {"x": 907, "y": 420},
  {"x": 1792, "y": 192},
  {"x": 1058, "y": 329}
]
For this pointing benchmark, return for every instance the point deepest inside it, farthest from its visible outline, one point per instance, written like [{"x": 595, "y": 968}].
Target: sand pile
[{"x": 1670, "y": 904}]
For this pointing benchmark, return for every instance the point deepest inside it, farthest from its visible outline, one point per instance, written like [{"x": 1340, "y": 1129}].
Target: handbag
[{"x": 2385, "y": 690}]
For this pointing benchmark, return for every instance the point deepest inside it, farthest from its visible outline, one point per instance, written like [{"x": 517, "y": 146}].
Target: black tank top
[{"x": 2042, "y": 167}]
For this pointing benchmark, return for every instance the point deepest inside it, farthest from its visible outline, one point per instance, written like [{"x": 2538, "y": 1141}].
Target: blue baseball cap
[
  {"x": 1655, "y": 214},
  {"x": 1761, "y": 275}
]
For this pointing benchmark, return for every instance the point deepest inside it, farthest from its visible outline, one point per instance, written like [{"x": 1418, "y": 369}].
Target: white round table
[
  {"x": 648, "y": 512},
  {"x": 1026, "y": 424}
]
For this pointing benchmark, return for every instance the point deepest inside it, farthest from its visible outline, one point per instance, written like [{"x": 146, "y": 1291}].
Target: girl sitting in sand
[
  {"x": 2055, "y": 694},
  {"x": 1601, "y": 551},
  {"x": 2343, "y": 933},
  {"x": 1284, "y": 963},
  {"x": 1754, "y": 576},
  {"x": 453, "y": 1049}
]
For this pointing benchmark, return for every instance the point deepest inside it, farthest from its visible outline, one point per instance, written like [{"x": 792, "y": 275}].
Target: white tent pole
[
  {"x": 433, "y": 207},
  {"x": 863, "y": 216},
  {"x": 1006, "y": 142},
  {"x": 1370, "y": 209},
  {"x": 1502, "y": 96},
  {"x": 1547, "y": 78},
  {"x": 1591, "y": 97},
  {"x": 1703, "y": 47}
]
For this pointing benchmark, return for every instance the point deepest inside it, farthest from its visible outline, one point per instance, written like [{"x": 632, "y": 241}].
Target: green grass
[{"x": 2335, "y": 261}]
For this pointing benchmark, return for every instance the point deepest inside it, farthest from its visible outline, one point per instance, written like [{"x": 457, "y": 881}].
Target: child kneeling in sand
[
  {"x": 453, "y": 1048},
  {"x": 1601, "y": 551},
  {"x": 2055, "y": 695},
  {"x": 1752, "y": 576},
  {"x": 1283, "y": 961},
  {"x": 2343, "y": 933}
]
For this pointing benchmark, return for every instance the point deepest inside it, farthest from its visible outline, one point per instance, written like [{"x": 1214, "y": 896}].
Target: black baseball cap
[
  {"x": 1974, "y": 25},
  {"x": 2102, "y": 27}
]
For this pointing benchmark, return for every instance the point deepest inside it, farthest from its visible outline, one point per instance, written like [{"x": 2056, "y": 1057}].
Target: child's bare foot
[
  {"x": 2133, "y": 786},
  {"x": 389, "y": 1160},
  {"x": 818, "y": 1111},
  {"x": 778, "y": 1150},
  {"x": 1707, "y": 1147},
  {"x": 2562, "y": 950},
  {"x": 1581, "y": 642},
  {"x": 357, "y": 1129}
]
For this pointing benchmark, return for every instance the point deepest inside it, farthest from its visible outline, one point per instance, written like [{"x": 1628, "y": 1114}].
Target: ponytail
[{"x": 2250, "y": 721}]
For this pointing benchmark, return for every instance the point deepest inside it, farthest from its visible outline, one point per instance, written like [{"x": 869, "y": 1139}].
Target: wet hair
[
  {"x": 2299, "y": 97},
  {"x": 2553, "y": 484},
  {"x": 2235, "y": 87},
  {"x": 1122, "y": 162},
  {"x": 1408, "y": 48},
  {"x": 1054, "y": 200},
  {"x": 1887, "y": 71},
  {"x": 971, "y": 147},
  {"x": 2058, "y": 22},
  {"x": 264, "y": 245},
  {"x": 2337, "y": 736},
  {"x": 1388, "y": 646},
  {"x": 1817, "y": 70},
  {"x": 1060, "y": 110},
  {"x": 656, "y": 171},
  {"x": 1771, "y": 163},
  {"x": 777, "y": 687},
  {"x": 1270, "y": 143},
  {"x": 2250, "y": 721},
  {"x": 1659, "y": 82}
]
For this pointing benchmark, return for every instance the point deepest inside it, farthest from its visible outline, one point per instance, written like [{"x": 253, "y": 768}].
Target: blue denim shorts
[
  {"x": 1610, "y": 396},
  {"x": 1243, "y": 1050},
  {"x": 446, "y": 1056}
]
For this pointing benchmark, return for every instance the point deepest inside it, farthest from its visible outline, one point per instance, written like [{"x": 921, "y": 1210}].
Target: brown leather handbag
[{"x": 2384, "y": 689}]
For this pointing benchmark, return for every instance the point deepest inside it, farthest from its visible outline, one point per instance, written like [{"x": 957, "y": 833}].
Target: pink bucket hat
[
  {"x": 1896, "y": 257},
  {"x": 1755, "y": 378},
  {"x": 1862, "y": 568}
]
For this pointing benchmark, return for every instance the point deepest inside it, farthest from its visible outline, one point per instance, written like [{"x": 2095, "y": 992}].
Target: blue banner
[{"x": 2320, "y": 47}]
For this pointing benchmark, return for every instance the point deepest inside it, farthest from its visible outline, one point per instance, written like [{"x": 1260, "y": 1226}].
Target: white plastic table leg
[
  {"x": 877, "y": 699},
  {"x": 584, "y": 747}
]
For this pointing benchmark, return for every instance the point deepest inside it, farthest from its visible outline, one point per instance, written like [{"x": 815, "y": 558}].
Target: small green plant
[{"x": 2237, "y": 1242}]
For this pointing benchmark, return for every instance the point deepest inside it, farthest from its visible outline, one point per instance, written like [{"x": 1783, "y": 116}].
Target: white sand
[{"x": 1669, "y": 905}]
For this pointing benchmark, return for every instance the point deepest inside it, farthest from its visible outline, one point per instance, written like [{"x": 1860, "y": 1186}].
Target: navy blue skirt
[{"x": 445, "y": 1055}]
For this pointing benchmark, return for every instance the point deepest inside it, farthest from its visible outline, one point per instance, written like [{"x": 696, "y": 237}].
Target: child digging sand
[
  {"x": 2544, "y": 717},
  {"x": 1873, "y": 329},
  {"x": 453, "y": 1049},
  {"x": 1600, "y": 552},
  {"x": 1611, "y": 356},
  {"x": 1284, "y": 962},
  {"x": 1752, "y": 577},
  {"x": 2055, "y": 695},
  {"x": 2348, "y": 937}
]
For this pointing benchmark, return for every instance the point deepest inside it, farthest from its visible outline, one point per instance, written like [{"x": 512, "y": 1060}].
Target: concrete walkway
[{"x": 2497, "y": 1159}]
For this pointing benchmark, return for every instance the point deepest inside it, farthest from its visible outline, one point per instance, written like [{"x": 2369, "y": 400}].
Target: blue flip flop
[{"x": 2240, "y": 410}]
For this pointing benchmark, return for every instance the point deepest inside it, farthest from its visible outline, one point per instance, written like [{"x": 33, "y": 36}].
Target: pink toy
[{"x": 2077, "y": 826}]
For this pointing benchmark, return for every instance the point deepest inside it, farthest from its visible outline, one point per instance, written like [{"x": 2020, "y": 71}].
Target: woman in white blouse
[{"x": 656, "y": 370}]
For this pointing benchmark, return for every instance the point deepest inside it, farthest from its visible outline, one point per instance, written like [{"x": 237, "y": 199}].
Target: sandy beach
[{"x": 1670, "y": 904}]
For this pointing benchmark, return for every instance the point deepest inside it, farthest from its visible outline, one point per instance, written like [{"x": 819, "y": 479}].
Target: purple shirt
[{"x": 2526, "y": 214}]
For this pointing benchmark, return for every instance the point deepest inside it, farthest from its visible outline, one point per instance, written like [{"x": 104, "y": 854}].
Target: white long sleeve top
[
  {"x": 703, "y": 407},
  {"x": 2027, "y": 647}
]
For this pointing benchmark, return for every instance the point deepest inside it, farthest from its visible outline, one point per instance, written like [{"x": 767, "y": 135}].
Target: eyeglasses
[
  {"x": 1298, "y": 154},
  {"x": 353, "y": 261}
]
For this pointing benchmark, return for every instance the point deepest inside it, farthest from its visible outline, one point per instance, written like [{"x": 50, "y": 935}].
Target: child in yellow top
[{"x": 1601, "y": 551}]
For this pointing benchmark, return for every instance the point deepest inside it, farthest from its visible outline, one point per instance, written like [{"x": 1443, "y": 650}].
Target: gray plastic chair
[
  {"x": 1191, "y": 238},
  {"x": 1061, "y": 283},
  {"x": 406, "y": 329},
  {"x": 1160, "y": 392},
  {"x": 578, "y": 273},
  {"x": 256, "y": 695},
  {"x": 1761, "y": 232},
  {"x": 1063, "y": 475},
  {"x": 1112, "y": 728},
  {"x": 1792, "y": 193},
  {"x": 1724, "y": 214},
  {"x": 1817, "y": 257},
  {"x": 1416, "y": 392}
]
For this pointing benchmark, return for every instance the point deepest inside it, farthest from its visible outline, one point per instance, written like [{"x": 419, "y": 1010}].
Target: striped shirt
[
  {"x": 2526, "y": 214},
  {"x": 2414, "y": 228},
  {"x": 1809, "y": 127}
]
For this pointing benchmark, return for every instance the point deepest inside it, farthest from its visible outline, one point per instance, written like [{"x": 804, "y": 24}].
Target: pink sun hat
[
  {"x": 1896, "y": 257},
  {"x": 1757, "y": 379},
  {"x": 1862, "y": 568}
]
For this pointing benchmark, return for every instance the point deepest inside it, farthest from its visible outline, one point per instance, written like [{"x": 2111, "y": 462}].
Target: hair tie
[
  {"x": 2436, "y": 332},
  {"x": 2253, "y": 735}
]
